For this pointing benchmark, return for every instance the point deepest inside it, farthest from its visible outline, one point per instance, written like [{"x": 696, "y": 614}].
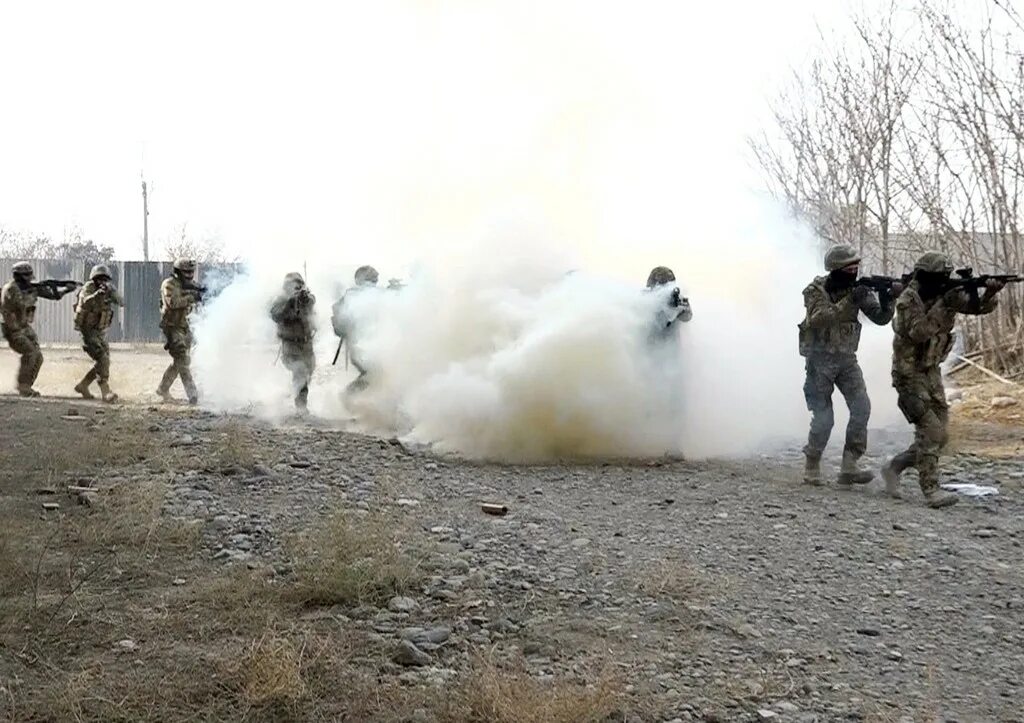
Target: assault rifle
[
  {"x": 884, "y": 284},
  {"x": 198, "y": 291},
  {"x": 969, "y": 281},
  {"x": 54, "y": 284}
]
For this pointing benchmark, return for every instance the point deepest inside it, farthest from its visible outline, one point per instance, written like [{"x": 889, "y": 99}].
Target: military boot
[
  {"x": 812, "y": 470},
  {"x": 28, "y": 392},
  {"x": 165, "y": 395},
  {"x": 938, "y": 497},
  {"x": 83, "y": 388},
  {"x": 892, "y": 471},
  {"x": 850, "y": 474},
  {"x": 108, "y": 396}
]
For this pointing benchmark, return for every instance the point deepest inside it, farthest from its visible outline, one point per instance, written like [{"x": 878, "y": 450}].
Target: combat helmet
[
  {"x": 99, "y": 271},
  {"x": 934, "y": 262},
  {"x": 293, "y": 280},
  {"x": 366, "y": 275},
  {"x": 184, "y": 265},
  {"x": 659, "y": 276},
  {"x": 839, "y": 257},
  {"x": 22, "y": 268}
]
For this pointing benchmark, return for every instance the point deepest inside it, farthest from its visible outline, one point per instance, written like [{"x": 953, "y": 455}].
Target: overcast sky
[{"x": 379, "y": 127}]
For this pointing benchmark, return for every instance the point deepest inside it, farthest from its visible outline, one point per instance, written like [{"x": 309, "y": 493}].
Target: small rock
[
  {"x": 1002, "y": 402},
  {"x": 870, "y": 632},
  {"x": 784, "y": 706},
  {"x": 580, "y": 542},
  {"x": 400, "y": 604},
  {"x": 179, "y": 581},
  {"x": 406, "y": 502},
  {"x": 127, "y": 644},
  {"x": 765, "y": 714},
  {"x": 50, "y": 506},
  {"x": 408, "y": 654}
]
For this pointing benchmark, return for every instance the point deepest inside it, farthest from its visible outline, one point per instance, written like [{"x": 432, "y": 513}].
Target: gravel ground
[{"x": 719, "y": 590}]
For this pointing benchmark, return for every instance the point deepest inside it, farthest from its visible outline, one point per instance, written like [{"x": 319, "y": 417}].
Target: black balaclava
[
  {"x": 931, "y": 283},
  {"x": 840, "y": 280}
]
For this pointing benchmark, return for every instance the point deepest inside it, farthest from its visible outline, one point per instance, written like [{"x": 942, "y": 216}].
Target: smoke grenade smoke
[{"x": 482, "y": 184}]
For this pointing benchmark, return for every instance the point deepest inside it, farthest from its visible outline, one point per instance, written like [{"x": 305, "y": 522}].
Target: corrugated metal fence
[{"x": 139, "y": 283}]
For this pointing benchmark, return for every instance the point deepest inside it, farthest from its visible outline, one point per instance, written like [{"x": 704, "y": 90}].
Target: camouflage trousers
[
  {"x": 922, "y": 399},
  {"x": 25, "y": 343},
  {"x": 299, "y": 359},
  {"x": 94, "y": 343},
  {"x": 179, "y": 346},
  {"x": 825, "y": 373}
]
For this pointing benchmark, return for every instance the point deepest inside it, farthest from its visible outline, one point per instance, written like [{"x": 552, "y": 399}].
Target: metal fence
[{"x": 138, "y": 281}]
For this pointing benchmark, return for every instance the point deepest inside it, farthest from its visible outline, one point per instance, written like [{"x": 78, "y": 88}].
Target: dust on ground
[{"x": 225, "y": 569}]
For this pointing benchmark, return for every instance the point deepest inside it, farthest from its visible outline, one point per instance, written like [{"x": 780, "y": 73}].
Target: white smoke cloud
[{"x": 482, "y": 175}]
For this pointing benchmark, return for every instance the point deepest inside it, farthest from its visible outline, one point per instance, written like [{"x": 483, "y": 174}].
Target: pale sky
[{"x": 378, "y": 128}]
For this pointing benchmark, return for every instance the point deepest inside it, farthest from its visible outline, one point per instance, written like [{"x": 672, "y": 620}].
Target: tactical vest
[
  {"x": 19, "y": 307},
  {"x": 909, "y": 356},
  {"x": 98, "y": 314},
  {"x": 842, "y": 336},
  {"x": 173, "y": 318}
]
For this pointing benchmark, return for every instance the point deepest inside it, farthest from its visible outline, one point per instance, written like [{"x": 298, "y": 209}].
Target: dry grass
[
  {"x": 678, "y": 580},
  {"x": 269, "y": 672},
  {"x": 493, "y": 694},
  {"x": 352, "y": 559},
  {"x": 233, "y": 446}
]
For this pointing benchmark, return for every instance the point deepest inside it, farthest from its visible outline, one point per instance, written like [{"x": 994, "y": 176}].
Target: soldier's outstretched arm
[{"x": 879, "y": 309}]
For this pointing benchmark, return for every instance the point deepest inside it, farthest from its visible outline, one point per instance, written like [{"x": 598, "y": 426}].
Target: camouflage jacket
[
  {"x": 175, "y": 304},
  {"x": 341, "y": 319},
  {"x": 293, "y": 314},
  {"x": 18, "y": 306},
  {"x": 94, "y": 308},
  {"x": 924, "y": 329},
  {"x": 831, "y": 323}
]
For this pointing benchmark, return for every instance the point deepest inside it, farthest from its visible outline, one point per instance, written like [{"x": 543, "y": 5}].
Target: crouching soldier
[
  {"x": 925, "y": 315},
  {"x": 94, "y": 312},
  {"x": 18, "y": 309},
  {"x": 292, "y": 311},
  {"x": 829, "y": 337}
]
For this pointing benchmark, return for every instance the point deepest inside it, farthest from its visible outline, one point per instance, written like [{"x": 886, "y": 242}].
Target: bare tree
[{"x": 204, "y": 248}]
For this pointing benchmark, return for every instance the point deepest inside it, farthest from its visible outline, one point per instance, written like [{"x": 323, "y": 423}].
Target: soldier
[
  {"x": 925, "y": 315},
  {"x": 829, "y": 336},
  {"x": 292, "y": 311},
  {"x": 365, "y": 278},
  {"x": 18, "y": 308},
  {"x": 94, "y": 312},
  {"x": 677, "y": 308},
  {"x": 178, "y": 297}
]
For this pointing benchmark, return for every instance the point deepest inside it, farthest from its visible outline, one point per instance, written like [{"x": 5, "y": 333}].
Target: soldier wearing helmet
[
  {"x": 94, "y": 312},
  {"x": 292, "y": 311},
  {"x": 676, "y": 308},
  {"x": 178, "y": 299},
  {"x": 345, "y": 328},
  {"x": 18, "y": 310},
  {"x": 925, "y": 316},
  {"x": 829, "y": 337}
]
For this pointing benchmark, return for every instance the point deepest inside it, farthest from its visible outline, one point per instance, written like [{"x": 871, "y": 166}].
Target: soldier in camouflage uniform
[
  {"x": 178, "y": 298},
  {"x": 676, "y": 309},
  {"x": 925, "y": 316},
  {"x": 292, "y": 311},
  {"x": 365, "y": 278},
  {"x": 829, "y": 337},
  {"x": 94, "y": 312},
  {"x": 18, "y": 309}
]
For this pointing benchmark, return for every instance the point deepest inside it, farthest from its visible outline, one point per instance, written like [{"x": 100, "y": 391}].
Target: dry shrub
[
  {"x": 269, "y": 673},
  {"x": 233, "y": 446},
  {"x": 491, "y": 694},
  {"x": 353, "y": 559},
  {"x": 130, "y": 517},
  {"x": 675, "y": 579}
]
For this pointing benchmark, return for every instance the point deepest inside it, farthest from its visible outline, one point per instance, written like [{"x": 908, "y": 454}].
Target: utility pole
[{"x": 145, "y": 221}]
